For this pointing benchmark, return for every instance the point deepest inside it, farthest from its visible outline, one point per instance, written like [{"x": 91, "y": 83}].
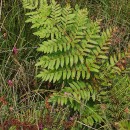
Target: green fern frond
[
  {"x": 73, "y": 48},
  {"x": 76, "y": 94},
  {"x": 33, "y": 4}
]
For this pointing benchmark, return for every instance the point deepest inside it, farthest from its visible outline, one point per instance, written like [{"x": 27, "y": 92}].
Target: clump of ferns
[{"x": 74, "y": 54}]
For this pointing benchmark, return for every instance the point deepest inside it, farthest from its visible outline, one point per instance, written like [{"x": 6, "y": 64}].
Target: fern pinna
[{"x": 75, "y": 52}]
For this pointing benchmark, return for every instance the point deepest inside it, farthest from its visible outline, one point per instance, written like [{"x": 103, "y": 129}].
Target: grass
[{"x": 22, "y": 103}]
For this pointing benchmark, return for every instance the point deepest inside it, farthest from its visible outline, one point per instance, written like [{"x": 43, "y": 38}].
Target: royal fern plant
[{"x": 74, "y": 53}]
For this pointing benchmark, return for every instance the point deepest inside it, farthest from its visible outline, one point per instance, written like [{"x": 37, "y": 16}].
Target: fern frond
[
  {"x": 33, "y": 4},
  {"x": 73, "y": 42},
  {"x": 71, "y": 94},
  {"x": 77, "y": 95}
]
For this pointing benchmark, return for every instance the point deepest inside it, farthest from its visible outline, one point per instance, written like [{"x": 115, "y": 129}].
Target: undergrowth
[{"x": 97, "y": 101}]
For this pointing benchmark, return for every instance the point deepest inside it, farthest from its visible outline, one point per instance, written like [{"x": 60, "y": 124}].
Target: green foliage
[
  {"x": 75, "y": 55},
  {"x": 117, "y": 99},
  {"x": 124, "y": 125},
  {"x": 71, "y": 95},
  {"x": 95, "y": 100},
  {"x": 73, "y": 43},
  {"x": 77, "y": 96},
  {"x": 33, "y": 4}
]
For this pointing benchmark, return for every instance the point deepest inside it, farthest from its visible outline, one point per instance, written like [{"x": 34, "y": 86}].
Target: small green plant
[{"x": 75, "y": 56}]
